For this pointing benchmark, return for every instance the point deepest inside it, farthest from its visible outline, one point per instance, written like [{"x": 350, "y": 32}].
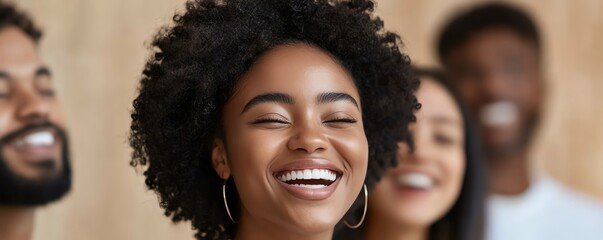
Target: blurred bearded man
[{"x": 34, "y": 159}]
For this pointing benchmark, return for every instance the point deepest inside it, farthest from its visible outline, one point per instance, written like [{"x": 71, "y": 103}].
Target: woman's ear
[{"x": 219, "y": 159}]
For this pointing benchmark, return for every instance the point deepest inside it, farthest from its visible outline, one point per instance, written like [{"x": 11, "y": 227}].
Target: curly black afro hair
[
  {"x": 195, "y": 66},
  {"x": 11, "y": 17}
]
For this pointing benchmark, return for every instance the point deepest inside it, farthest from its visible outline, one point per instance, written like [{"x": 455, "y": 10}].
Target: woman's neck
[
  {"x": 16, "y": 223},
  {"x": 387, "y": 230},
  {"x": 252, "y": 229}
]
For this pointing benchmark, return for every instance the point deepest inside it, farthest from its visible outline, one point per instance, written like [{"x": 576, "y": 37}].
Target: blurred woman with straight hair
[{"x": 436, "y": 192}]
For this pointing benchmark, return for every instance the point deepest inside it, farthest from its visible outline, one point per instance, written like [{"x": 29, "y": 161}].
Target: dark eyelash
[
  {"x": 343, "y": 120},
  {"x": 269, "y": 120}
]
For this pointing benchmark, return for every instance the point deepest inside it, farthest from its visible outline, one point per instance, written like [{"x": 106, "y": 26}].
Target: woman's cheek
[
  {"x": 454, "y": 170},
  {"x": 353, "y": 147}
]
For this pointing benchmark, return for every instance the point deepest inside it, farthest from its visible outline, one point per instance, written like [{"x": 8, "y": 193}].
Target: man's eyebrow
[
  {"x": 4, "y": 75},
  {"x": 328, "y": 97},
  {"x": 268, "y": 97},
  {"x": 43, "y": 71}
]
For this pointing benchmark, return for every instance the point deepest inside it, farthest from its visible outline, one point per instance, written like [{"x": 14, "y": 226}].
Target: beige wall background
[{"x": 96, "y": 50}]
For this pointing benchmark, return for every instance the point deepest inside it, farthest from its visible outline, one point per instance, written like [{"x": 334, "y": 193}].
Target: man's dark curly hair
[
  {"x": 197, "y": 62},
  {"x": 11, "y": 17},
  {"x": 465, "y": 24}
]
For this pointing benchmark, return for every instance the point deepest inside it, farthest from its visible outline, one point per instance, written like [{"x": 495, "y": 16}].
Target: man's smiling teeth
[
  {"x": 37, "y": 139},
  {"x": 501, "y": 113},
  {"x": 415, "y": 180},
  {"x": 307, "y": 174}
]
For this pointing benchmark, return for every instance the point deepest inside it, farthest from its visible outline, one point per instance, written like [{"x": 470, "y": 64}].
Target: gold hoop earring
[
  {"x": 363, "y": 213},
  {"x": 226, "y": 202}
]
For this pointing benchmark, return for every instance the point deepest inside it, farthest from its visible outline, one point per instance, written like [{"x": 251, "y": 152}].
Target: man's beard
[{"x": 17, "y": 190}]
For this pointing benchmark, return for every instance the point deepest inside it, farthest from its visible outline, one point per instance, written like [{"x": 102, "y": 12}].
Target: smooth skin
[{"x": 314, "y": 114}]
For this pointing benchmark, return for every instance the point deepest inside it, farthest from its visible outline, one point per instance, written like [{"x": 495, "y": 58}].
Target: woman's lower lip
[
  {"x": 412, "y": 192},
  {"x": 310, "y": 193}
]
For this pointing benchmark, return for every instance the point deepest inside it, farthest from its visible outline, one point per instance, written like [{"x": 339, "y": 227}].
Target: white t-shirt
[{"x": 548, "y": 211}]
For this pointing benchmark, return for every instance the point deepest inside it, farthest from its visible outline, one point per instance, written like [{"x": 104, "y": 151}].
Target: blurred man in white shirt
[{"x": 493, "y": 53}]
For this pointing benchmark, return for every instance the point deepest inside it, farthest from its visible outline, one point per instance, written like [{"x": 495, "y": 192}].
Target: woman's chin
[{"x": 314, "y": 221}]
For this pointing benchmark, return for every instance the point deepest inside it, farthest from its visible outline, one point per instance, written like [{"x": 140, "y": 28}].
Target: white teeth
[
  {"x": 499, "y": 113},
  {"x": 308, "y": 174},
  {"x": 415, "y": 180},
  {"x": 315, "y": 172},
  {"x": 312, "y": 186},
  {"x": 38, "y": 139}
]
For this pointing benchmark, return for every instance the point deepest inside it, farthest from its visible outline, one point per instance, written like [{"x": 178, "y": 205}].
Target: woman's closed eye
[
  {"x": 340, "y": 122},
  {"x": 271, "y": 121},
  {"x": 444, "y": 139}
]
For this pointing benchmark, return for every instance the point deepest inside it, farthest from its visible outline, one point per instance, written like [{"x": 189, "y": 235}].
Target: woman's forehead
[
  {"x": 437, "y": 102},
  {"x": 299, "y": 70}
]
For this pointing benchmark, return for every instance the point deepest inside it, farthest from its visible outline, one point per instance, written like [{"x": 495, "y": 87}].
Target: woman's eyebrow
[
  {"x": 268, "y": 97},
  {"x": 328, "y": 97},
  {"x": 444, "y": 120}
]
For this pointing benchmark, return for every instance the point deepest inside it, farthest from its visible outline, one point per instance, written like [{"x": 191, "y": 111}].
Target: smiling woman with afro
[{"x": 265, "y": 118}]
